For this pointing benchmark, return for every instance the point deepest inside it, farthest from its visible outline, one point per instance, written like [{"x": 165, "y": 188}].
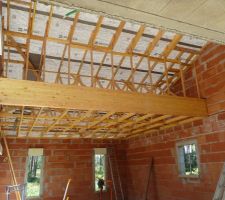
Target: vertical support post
[
  {"x": 1, "y": 41},
  {"x": 69, "y": 71},
  {"x": 92, "y": 68},
  {"x": 166, "y": 74},
  {"x": 196, "y": 81},
  {"x": 18, "y": 197},
  {"x": 112, "y": 66},
  {"x": 132, "y": 68},
  {"x": 150, "y": 75},
  {"x": 182, "y": 81}
]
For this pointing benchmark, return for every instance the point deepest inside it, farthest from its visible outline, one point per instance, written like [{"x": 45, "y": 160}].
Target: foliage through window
[
  {"x": 188, "y": 158},
  {"x": 34, "y": 175},
  {"x": 100, "y": 166}
]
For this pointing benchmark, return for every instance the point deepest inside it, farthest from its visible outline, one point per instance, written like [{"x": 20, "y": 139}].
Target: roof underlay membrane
[{"x": 80, "y": 48}]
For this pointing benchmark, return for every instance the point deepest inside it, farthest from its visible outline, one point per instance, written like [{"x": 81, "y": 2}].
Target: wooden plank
[
  {"x": 34, "y": 122},
  {"x": 87, "y": 114},
  {"x": 107, "y": 115},
  {"x": 69, "y": 39},
  {"x": 136, "y": 120},
  {"x": 39, "y": 94},
  {"x": 20, "y": 51},
  {"x": 91, "y": 42},
  {"x": 18, "y": 196},
  {"x": 56, "y": 122},
  {"x": 94, "y": 48},
  {"x": 21, "y": 121},
  {"x": 112, "y": 44}
]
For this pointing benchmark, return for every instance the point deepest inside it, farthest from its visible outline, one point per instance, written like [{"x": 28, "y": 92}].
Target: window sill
[
  {"x": 189, "y": 176},
  {"x": 189, "y": 179},
  {"x": 34, "y": 198}
]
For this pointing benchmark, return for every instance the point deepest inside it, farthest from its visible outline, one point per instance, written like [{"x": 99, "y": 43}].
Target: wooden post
[
  {"x": 182, "y": 81},
  {"x": 167, "y": 78},
  {"x": 196, "y": 81},
  {"x": 18, "y": 197},
  {"x": 1, "y": 41},
  {"x": 66, "y": 190}
]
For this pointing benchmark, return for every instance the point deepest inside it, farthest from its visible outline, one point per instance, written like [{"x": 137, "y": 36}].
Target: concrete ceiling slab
[{"x": 201, "y": 18}]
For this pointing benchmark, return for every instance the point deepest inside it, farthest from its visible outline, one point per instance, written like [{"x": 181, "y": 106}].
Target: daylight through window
[
  {"x": 34, "y": 172},
  {"x": 100, "y": 166},
  {"x": 188, "y": 158}
]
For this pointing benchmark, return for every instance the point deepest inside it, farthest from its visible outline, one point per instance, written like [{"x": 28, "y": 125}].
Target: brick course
[
  {"x": 64, "y": 159},
  {"x": 209, "y": 133}
]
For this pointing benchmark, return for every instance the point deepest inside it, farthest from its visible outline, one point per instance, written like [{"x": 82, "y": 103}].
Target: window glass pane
[
  {"x": 188, "y": 159},
  {"x": 34, "y": 172},
  {"x": 100, "y": 172}
]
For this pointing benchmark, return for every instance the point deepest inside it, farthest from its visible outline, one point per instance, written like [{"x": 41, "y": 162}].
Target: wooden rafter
[
  {"x": 44, "y": 44},
  {"x": 107, "y": 115},
  {"x": 129, "y": 50},
  {"x": 148, "y": 50},
  {"x": 34, "y": 122},
  {"x": 29, "y": 32},
  {"x": 69, "y": 40},
  {"x": 56, "y": 121},
  {"x": 165, "y": 54},
  {"x": 56, "y": 110},
  {"x": 20, "y": 51},
  {"x": 91, "y": 44}
]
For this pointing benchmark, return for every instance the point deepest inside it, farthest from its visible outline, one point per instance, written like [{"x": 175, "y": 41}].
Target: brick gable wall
[{"x": 209, "y": 133}]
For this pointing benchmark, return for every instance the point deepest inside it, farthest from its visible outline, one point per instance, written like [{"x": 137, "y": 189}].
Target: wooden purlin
[{"x": 94, "y": 48}]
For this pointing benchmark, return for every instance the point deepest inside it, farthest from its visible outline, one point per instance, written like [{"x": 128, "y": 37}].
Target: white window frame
[
  {"x": 104, "y": 152},
  {"x": 181, "y": 166},
  {"x": 36, "y": 152}
]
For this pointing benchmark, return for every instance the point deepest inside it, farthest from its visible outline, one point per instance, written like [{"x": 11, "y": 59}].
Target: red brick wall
[
  {"x": 64, "y": 159},
  {"x": 209, "y": 133},
  {"x": 73, "y": 158}
]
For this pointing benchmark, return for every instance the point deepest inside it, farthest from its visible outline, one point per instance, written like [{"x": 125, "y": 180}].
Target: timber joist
[
  {"x": 97, "y": 78},
  {"x": 55, "y": 110}
]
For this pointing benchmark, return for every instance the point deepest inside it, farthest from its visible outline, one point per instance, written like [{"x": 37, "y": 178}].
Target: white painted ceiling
[{"x": 202, "y": 18}]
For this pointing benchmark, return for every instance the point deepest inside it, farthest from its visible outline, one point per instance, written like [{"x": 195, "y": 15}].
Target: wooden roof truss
[{"x": 41, "y": 44}]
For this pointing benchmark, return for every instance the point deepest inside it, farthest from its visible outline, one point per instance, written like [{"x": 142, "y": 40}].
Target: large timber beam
[{"x": 39, "y": 94}]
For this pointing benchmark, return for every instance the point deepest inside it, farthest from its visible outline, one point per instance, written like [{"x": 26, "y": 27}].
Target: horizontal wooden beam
[
  {"x": 93, "y": 48},
  {"x": 39, "y": 94}
]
